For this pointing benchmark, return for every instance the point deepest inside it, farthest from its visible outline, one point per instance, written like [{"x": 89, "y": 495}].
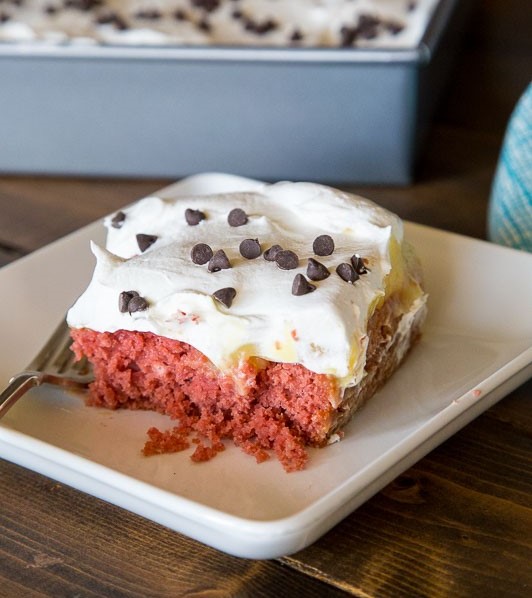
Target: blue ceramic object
[{"x": 510, "y": 213}]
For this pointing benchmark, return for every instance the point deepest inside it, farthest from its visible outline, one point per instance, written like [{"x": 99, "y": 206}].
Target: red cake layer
[{"x": 266, "y": 406}]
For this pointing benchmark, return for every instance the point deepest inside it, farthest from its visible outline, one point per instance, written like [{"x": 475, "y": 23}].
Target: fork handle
[{"x": 18, "y": 386}]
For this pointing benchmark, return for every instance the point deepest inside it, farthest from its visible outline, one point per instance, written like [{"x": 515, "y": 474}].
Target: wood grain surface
[{"x": 458, "y": 523}]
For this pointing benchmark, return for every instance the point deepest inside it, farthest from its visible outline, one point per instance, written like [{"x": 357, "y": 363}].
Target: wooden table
[{"x": 458, "y": 523}]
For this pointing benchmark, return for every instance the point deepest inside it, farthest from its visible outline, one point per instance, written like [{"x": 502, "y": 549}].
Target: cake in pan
[
  {"x": 266, "y": 317},
  {"x": 309, "y": 23}
]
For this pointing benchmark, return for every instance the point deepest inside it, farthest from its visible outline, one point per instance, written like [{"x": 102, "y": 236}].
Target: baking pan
[{"x": 331, "y": 115}]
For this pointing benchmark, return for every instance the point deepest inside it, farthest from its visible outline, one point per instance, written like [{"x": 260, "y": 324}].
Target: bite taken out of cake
[{"x": 265, "y": 317}]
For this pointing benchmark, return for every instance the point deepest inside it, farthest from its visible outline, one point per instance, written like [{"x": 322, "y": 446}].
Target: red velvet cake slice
[{"x": 266, "y": 317}]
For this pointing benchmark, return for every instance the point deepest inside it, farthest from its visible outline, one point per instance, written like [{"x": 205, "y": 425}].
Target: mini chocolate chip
[
  {"x": 394, "y": 28},
  {"x": 286, "y": 259},
  {"x": 124, "y": 298},
  {"x": 207, "y": 5},
  {"x": 368, "y": 26},
  {"x": 346, "y": 272},
  {"x": 301, "y": 286},
  {"x": 271, "y": 253},
  {"x": 84, "y": 5},
  {"x": 358, "y": 264},
  {"x": 348, "y": 36},
  {"x": 204, "y": 25},
  {"x": 219, "y": 261},
  {"x": 148, "y": 14},
  {"x": 145, "y": 241},
  {"x": 250, "y": 249},
  {"x": 111, "y": 18},
  {"x": 225, "y": 296},
  {"x": 137, "y": 303},
  {"x": 194, "y": 217},
  {"x": 237, "y": 217},
  {"x": 260, "y": 28},
  {"x": 118, "y": 220},
  {"x": 296, "y": 36},
  {"x": 316, "y": 270},
  {"x": 323, "y": 245},
  {"x": 201, "y": 253}
]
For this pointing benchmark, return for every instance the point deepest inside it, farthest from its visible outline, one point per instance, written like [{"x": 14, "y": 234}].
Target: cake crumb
[
  {"x": 204, "y": 452},
  {"x": 169, "y": 441}
]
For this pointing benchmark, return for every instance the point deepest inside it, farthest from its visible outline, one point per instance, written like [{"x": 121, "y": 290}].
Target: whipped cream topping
[
  {"x": 324, "y": 330},
  {"x": 310, "y": 23}
]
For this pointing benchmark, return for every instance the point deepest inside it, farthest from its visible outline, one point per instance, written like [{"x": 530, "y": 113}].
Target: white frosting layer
[
  {"x": 314, "y": 22},
  {"x": 324, "y": 330}
]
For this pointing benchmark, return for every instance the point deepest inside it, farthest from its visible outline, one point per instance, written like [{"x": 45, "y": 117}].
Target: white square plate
[{"x": 476, "y": 348}]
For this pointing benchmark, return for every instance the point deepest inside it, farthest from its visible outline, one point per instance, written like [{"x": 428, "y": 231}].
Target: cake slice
[{"x": 267, "y": 317}]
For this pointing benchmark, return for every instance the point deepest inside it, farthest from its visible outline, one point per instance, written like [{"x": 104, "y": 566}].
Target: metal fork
[{"x": 54, "y": 364}]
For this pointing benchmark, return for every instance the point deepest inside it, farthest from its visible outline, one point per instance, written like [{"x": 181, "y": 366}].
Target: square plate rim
[{"x": 289, "y": 528}]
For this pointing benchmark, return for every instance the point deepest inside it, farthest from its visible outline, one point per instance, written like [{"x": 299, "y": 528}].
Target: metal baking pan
[{"x": 332, "y": 115}]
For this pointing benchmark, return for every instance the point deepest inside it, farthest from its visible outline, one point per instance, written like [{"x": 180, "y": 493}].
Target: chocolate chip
[
  {"x": 131, "y": 301},
  {"x": 208, "y": 5},
  {"x": 112, "y": 18},
  {"x": 296, "y": 36},
  {"x": 237, "y": 217},
  {"x": 84, "y": 5},
  {"x": 323, "y": 245},
  {"x": 348, "y": 36},
  {"x": 260, "y": 28},
  {"x": 250, "y": 249},
  {"x": 219, "y": 261},
  {"x": 137, "y": 303},
  {"x": 124, "y": 298},
  {"x": 118, "y": 220},
  {"x": 204, "y": 25},
  {"x": 271, "y": 253},
  {"x": 4, "y": 17},
  {"x": 180, "y": 15},
  {"x": 148, "y": 14},
  {"x": 145, "y": 241},
  {"x": 358, "y": 264},
  {"x": 301, "y": 286},
  {"x": 225, "y": 296},
  {"x": 346, "y": 272},
  {"x": 201, "y": 253},
  {"x": 394, "y": 27},
  {"x": 194, "y": 217},
  {"x": 316, "y": 270},
  {"x": 120, "y": 24},
  {"x": 286, "y": 259},
  {"x": 368, "y": 26}
]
